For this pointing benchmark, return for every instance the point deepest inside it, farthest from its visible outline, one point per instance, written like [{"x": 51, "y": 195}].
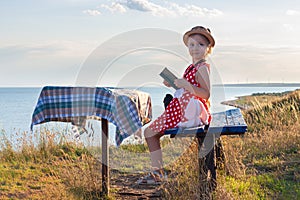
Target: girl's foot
[{"x": 153, "y": 178}]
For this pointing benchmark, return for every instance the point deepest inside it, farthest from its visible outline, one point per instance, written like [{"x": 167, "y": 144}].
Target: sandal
[{"x": 153, "y": 178}]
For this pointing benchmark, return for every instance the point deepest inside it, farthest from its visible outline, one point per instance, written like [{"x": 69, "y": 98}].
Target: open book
[{"x": 169, "y": 77}]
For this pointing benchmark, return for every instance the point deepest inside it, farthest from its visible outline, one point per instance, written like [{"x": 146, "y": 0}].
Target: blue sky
[{"x": 45, "y": 42}]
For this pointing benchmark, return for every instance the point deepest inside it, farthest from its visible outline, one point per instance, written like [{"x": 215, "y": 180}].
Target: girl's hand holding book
[
  {"x": 166, "y": 83},
  {"x": 182, "y": 83}
]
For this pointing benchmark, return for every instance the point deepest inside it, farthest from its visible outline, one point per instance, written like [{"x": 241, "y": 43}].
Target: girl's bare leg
[{"x": 153, "y": 141}]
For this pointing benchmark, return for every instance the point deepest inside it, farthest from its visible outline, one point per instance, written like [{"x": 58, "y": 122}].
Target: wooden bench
[{"x": 230, "y": 122}]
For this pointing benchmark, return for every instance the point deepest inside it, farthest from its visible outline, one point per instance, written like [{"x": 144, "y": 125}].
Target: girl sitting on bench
[{"x": 194, "y": 87}]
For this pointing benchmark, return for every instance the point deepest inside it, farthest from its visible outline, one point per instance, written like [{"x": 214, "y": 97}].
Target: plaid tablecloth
[{"x": 128, "y": 110}]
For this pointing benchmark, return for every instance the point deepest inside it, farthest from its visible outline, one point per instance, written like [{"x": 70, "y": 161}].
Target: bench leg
[
  {"x": 220, "y": 155},
  {"x": 202, "y": 172},
  {"x": 206, "y": 163},
  {"x": 210, "y": 164}
]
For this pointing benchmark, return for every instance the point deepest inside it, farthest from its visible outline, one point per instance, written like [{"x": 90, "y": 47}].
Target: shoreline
[
  {"x": 246, "y": 102},
  {"x": 235, "y": 104}
]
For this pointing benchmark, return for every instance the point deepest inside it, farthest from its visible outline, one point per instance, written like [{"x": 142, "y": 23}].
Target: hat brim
[{"x": 201, "y": 32}]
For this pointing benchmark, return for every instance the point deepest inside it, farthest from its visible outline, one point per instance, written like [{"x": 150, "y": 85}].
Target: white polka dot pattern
[{"x": 174, "y": 112}]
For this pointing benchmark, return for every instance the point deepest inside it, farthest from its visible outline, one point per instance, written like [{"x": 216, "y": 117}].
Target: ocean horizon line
[{"x": 216, "y": 85}]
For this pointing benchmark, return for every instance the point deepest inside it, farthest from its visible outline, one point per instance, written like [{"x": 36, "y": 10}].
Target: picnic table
[{"x": 127, "y": 109}]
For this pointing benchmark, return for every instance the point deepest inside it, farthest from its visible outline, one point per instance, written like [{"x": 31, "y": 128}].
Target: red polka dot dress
[{"x": 174, "y": 112}]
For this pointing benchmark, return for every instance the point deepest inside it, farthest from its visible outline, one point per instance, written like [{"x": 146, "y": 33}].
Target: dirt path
[{"x": 124, "y": 186}]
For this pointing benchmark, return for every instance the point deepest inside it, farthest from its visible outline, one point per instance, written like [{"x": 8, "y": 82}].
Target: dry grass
[
  {"x": 263, "y": 164},
  {"x": 183, "y": 182},
  {"x": 48, "y": 171}
]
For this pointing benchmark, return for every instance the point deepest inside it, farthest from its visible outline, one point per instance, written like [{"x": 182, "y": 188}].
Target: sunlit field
[{"x": 262, "y": 164}]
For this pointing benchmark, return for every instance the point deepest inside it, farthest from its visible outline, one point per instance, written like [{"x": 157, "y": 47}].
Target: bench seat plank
[{"x": 230, "y": 122}]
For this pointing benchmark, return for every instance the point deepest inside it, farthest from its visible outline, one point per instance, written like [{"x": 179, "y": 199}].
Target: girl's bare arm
[{"x": 202, "y": 77}]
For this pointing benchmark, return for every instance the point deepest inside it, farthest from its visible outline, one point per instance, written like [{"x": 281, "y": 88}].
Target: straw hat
[{"x": 202, "y": 31}]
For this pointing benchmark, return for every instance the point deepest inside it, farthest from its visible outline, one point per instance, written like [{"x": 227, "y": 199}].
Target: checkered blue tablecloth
[{"x": 128, "y": 110}]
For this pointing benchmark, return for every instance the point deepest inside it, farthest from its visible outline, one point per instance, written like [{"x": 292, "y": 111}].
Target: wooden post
[
  {"x": 203, "y": 183},
  {"x": 202, "y": 171},
  {"x": 105, "y": 157},
  {"x": 220, "y": 155}
]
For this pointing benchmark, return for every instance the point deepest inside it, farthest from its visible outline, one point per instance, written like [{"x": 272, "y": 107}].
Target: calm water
[{"x": 17, "y": 105}]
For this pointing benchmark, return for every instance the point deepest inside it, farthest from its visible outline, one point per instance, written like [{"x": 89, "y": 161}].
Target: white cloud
[
  {"x": 292, "y": 12},
  {"x": 114, "y": 7},
  {"x": 141, "y": 5},
  {"x": 168, "y": 9},
  {"x": 49, "y": 49},
  {"x": 192, "y": 10},
  {"x": 147, "y": 6},
  {"x": 288, "y": 27},
  {"x": 92, "y": 12}
]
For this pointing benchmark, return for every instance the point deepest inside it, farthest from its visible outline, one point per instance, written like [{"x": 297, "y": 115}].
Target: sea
[{"x": 17, "y": 105}]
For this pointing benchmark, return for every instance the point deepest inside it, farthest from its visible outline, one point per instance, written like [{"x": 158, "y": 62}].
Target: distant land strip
[{"x": 259, "y": 85}]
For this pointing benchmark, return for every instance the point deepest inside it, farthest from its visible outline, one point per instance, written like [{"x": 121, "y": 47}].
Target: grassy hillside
[
  {"x": 263, "y": 164},
  {"x": 49, "y": 171}
]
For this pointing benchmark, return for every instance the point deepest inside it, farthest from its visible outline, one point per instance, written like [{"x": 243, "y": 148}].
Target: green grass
[
  {"x": 263, "y": 164},
  {"x": 40, "y": 172},
  {"x": 269, "y": 151}
]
